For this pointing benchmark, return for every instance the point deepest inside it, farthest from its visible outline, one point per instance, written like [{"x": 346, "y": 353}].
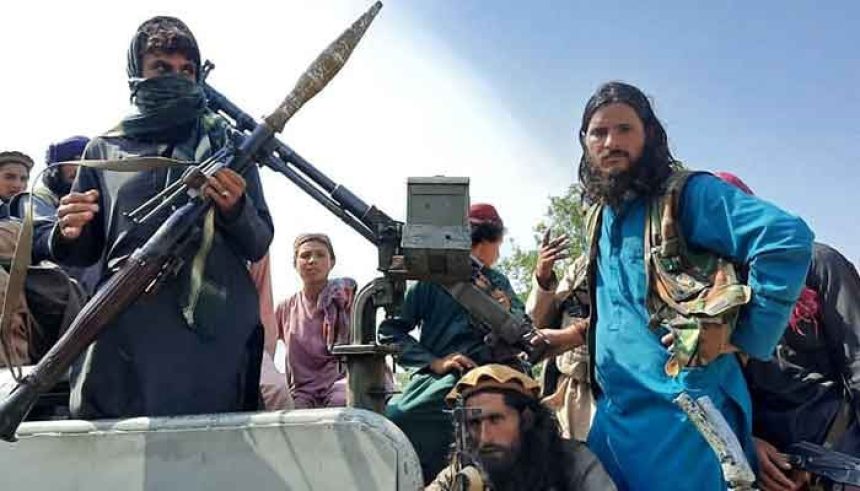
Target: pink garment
[
  {"x": 261, "y": 274},
  {"x": 273, "y": 384},
  {"x": 309, "y": 329},
  {"x": 806, "y": 311},
  {"x": 734, "y": 181}
]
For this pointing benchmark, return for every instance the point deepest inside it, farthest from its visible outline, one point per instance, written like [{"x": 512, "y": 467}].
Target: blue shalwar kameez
[{"x": 644, "y": 441}]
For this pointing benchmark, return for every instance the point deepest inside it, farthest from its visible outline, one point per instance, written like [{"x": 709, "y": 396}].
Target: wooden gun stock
[{"x": 113, "y": 297}]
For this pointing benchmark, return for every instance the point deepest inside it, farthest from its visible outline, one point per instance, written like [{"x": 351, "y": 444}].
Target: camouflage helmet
[{"x": 493, "y": 376}]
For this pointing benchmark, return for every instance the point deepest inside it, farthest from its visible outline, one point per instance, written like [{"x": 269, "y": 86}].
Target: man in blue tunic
[{"x": 643, "y": 439}]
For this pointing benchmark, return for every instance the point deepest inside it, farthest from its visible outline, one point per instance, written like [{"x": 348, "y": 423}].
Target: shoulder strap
[
  {"x": 663, "y": 216},
  {"x": 592, "y": 227}
]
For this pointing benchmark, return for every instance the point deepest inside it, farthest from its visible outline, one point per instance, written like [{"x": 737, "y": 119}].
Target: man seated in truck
[
  {"x": 448, "y": 345},
  {"x": 513, "y": 442}
]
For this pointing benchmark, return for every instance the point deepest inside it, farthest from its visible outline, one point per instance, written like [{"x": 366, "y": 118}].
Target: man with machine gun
[
  {"x": 448, "y": 346},
  {"x": 181, "y": 349},
  {"x": 507, "y": 440}
]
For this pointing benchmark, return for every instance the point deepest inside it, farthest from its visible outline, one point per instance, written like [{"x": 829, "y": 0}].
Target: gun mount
[{"x": 433, "y": 245}]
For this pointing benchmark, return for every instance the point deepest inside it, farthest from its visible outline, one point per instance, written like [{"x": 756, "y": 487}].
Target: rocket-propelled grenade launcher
[{"x": 159, "y": 255}]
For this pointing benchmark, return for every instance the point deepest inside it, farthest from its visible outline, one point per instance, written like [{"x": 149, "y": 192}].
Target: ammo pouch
[{"x": 694, "y": 295}]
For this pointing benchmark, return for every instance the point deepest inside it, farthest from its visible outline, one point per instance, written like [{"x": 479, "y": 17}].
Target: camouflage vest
[{"x": 693, "y": 295}]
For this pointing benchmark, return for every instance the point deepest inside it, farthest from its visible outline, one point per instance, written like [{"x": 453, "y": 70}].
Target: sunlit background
[{"x": 492, "y": 90}]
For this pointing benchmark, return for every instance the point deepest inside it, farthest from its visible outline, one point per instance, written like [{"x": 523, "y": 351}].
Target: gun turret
[{"x": 433, "y": 245}]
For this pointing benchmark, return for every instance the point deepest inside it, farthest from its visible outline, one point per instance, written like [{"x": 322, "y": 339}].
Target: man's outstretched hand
[{"x": 551, "y": 250}]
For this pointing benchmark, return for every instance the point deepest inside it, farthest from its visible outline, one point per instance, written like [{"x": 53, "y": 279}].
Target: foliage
[{"x": 565, "y": 215}]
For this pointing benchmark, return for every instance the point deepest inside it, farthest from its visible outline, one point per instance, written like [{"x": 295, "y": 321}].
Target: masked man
[
  {"x": 448, "y": 344},
  {"x": 195, "y": 344},
  {"x": 667, "y": 310},
  {"x": 513, "y": 442}
]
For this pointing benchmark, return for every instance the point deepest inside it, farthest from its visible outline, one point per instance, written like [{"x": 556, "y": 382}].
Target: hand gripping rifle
[
  {"x": 433, "y": 245},
  {"x": 834, "y": 467},
  {"x": 157, "y": 256},
  {"x": 467, "y": 474}
]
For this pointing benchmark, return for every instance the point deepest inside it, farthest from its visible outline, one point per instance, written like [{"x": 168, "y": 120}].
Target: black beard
[
  {"x": 505, "y": 472},
  {"x": 616, "y": 187}
]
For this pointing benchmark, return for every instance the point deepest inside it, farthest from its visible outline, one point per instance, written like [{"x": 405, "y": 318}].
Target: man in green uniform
[{"x": 447, "y": 346}]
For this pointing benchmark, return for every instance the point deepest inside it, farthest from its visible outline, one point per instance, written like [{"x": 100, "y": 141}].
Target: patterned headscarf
[
  {"x": 335, "y": 301},
  {"x": 167, "y": 108},
  {"x": 805, "y": 312},
  {"x": 141, "y": 37}
]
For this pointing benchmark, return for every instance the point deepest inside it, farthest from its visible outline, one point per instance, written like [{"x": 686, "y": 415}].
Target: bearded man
[
  {"x": 57, "y": 179},
  {"x": 641, "y": 363},
  {"x": 189, "y": 347},
  {"x": 448, "y": 345},
  {"x": 513, "y": 441}
]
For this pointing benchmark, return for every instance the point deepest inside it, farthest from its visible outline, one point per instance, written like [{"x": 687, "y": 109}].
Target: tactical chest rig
[{"x": 693, "y": 295}]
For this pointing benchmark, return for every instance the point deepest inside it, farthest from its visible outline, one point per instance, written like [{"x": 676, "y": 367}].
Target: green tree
[{"x": 565, "y": 215}]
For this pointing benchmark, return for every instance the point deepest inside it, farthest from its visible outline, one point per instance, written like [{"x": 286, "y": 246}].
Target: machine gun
[
  {"x": 466, "y": 473},
  {"x": 163, "y": 252},
  {"x": 433, "y": 245},
  {"x": 834, "y": 467}
]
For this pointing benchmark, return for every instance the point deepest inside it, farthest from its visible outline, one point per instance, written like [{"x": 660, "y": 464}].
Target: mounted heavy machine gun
[
  {"x": 433, "y": 245},
  {"x": 166, "y": 249}
]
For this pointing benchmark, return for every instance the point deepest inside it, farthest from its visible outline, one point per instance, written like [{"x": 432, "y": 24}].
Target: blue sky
[
  {"x": 768, "y": 90},
  {"x": 492, "y": 90}
]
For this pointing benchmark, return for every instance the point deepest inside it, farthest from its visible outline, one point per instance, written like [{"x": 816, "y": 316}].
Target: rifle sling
[{"x": 24, "y": 243}]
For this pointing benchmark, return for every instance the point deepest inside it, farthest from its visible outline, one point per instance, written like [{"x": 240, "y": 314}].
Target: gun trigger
[{"x": 194, "y": 178}]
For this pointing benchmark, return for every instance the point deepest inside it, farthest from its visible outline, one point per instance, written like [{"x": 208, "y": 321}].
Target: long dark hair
[
  {"x": 656, "y": 162},
  {"x": 540, "y": 461}
]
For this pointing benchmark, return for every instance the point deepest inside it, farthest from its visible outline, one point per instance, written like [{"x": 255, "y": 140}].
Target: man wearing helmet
[{"x": 513, "y": 441}]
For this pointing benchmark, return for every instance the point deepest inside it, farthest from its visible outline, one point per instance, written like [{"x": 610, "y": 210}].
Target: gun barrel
[
  {"x": 15, "y": 408},
  {"x": 276, "y": 155},
  {"x": 825, "y": 462}
]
